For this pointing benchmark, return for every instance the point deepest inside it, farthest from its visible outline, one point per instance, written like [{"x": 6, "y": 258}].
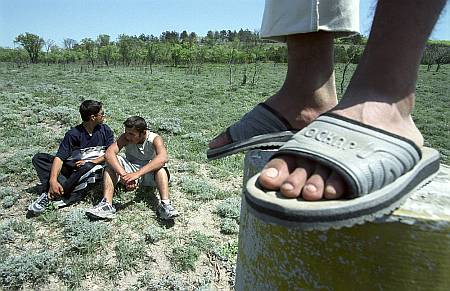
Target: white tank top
[{"x": 141, "y": 154}]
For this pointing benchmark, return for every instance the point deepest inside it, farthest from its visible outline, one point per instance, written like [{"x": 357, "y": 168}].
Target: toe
[
  {"x": 276, "y": 172},
  {"x": 334, "y": 187},
  {"x": 218, "y": 141},
  {"x": 293, "y": 185},
  {"x": 314, "y": 186}
]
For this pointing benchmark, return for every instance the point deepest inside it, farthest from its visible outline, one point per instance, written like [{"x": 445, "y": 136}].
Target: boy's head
[
  {"x": 135, "y": 129},
  {"x": 92, "y": 110}
]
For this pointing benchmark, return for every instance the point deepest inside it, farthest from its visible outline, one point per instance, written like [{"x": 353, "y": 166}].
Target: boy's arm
[
  {"x": 111, "y": 155},
  {"x": 155, "y": 164},
  {"x": 55, "y": 188},
  {"x": 64, "y": 150},
  {"x": 101, "y": 159}
]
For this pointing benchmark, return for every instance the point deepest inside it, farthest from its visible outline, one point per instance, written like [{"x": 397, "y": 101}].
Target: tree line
[{"x": 183, "y": 49}]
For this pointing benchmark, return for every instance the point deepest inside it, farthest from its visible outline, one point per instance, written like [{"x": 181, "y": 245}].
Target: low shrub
[
  {"x": 83, "y": 235},
  {"x": 153, "y": 234},
  {"x": 229, "y": 208},
  {"x": 229, "y": 226},
  {"x": 32, "y": 267},
  {"x": 167, "y": 125},
  {"x": 129, "y": 253},
  {"x": 201, "y": 190},
  {"x": 185, "y": 257}
]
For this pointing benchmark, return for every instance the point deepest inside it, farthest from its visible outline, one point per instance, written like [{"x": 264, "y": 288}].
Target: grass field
[{"x": 63, "y": 250}]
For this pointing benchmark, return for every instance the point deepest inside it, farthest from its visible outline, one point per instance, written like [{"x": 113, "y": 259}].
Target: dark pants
[{"x": 68, "y": 178}]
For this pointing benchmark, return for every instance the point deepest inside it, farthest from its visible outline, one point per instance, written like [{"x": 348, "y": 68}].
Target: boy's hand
[
  {"x": 130, "y": 177},
  {"x": 55, "y": 190},
  {"x": 80, "y": 163}
]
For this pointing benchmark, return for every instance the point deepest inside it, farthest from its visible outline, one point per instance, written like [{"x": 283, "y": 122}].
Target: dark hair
[
  {"x": 88, "y": 108},
  {"x": 136, "y": 122}
]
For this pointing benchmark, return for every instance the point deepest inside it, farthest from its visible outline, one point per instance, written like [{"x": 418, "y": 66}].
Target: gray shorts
[{"x": 145, "y": 180}]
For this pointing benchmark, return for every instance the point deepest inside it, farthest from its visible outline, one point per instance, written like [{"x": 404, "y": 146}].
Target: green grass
[{"x": 137, "y": 250}]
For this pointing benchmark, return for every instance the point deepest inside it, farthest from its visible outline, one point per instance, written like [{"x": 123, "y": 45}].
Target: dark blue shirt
[{"x": 78, "y": 139}]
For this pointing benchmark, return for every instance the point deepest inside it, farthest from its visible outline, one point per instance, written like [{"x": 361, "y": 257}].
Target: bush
[
  {"x": 168, "y": 125},
  {"x": 200, "y": 190},
  {"x": 83, "y": 235},
  {"x": 153, "y": 234},
  {"x": 229, "y": 208},
  {"x": 9, "y": 228},
  {"x": 128, "y": 253},
  {"x": 63, "y": 114},
  {"x": 151, "y": 281},
  {"x": 29, "y": 267},
  {"x": 9, "y": 201},
  {"x": 229, "y": 226},
  {"x": 8, "y": 196},
  {"x": 184, "y": 257}
]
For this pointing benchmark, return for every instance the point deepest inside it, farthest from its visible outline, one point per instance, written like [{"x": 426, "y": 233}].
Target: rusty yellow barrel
[{"x": 408, "y": 250}]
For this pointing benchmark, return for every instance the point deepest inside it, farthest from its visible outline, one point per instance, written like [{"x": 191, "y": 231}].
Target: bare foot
[
  {"x": 304, "y": 112},
  {"x": 380, "y": 94},
  {"x": 295, "y": 177},
  {"x": 309, "y": 88}
]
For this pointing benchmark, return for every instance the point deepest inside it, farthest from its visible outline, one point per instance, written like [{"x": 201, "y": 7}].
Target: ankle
[
  {"x": 368, "y": 101},
  {"x": 300, "y": 111}
]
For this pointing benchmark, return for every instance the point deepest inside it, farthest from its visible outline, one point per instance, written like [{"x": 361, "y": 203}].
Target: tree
[
  {"x": 170, "y": 36},
  {"x": 152, "y": 50},
  {"x": 223, "y": 35},
  {"x": 184, "y": 37},
  {"x": 436, "y": 53},
  {"x": 89, "y": 48},
  {"x": 105, "y": 49},
  {"x": 69, "y": 43},
  {"x": 192, "y": 37},
  {"x": 32, "y": 43},
  {"x": 348, "y": 54},
  {"x": 209, "y": 38},
  {"x": 103, "y": 40},
  {"x": 128, "y": 48},
  {"x": 49, "y": 44}
]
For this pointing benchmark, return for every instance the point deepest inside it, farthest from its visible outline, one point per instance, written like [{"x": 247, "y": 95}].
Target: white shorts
[
  {"x": 145, "y": 180},
  {"x": 285, "y": 17}
]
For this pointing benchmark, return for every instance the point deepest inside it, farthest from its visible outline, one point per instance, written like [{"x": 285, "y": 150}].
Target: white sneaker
[
  {"x": 167, "y": 211},
  {"x": 39, "y": 206},
  {"x": 103, "y": 210}
]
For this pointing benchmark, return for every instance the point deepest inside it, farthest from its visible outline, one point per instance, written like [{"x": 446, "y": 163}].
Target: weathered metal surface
[{"x": 408, "y": 250}]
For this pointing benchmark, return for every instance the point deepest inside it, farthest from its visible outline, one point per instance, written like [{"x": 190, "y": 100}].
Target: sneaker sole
[
  {"x": 95, "y": 216},
  {"x": 34, "y": 211},
  {"x": 169, "y": 217}
]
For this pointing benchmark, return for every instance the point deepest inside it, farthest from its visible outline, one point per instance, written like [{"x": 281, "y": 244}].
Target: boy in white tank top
[{"x": 144, "y": 164}]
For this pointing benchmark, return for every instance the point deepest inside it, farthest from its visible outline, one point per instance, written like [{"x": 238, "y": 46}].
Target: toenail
[
  {"x": 310, "y": 188},
  {"x": 287, "y": 187},
  {"x": 270, "y": 172},
  {"x": 330, "y": 191}
]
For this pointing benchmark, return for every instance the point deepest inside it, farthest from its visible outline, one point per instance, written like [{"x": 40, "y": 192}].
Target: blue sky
[{"x": 77, "y": 19}]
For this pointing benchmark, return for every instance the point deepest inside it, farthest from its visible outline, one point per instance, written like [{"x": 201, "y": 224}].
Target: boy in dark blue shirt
[{"x": 80, "y": 154}]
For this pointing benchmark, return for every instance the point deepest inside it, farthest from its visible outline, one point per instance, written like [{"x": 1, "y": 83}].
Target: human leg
[
  {"x": 109, "y": 181},
  {"x": 165, "y": 208},
  {"x": 380, "y": 94},
  {"x": 74, "y": 177},
  {"x": 42, "y": 162},
  {"x": 105, "y": 209},
  {"x": 162, "y": 183},
  {"x": 309, "y": 87}
]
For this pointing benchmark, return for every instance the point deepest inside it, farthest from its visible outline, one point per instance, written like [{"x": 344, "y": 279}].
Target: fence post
[{"x": 408, "y": 250}]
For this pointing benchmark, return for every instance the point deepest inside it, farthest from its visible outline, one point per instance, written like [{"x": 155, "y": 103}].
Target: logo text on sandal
[{"x": 330, "y": 138}]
